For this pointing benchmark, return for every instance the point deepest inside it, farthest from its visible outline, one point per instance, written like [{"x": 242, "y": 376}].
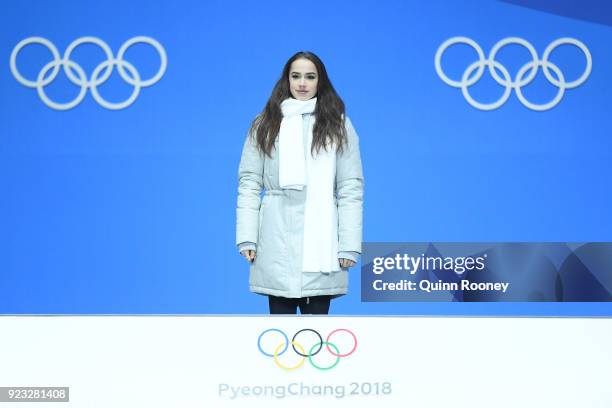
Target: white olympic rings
[
  {"x": 525, "y": 75},
  {"x": 99, "y": 75}
]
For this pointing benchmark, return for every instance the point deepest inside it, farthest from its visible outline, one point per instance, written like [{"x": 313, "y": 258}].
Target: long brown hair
[{"x": 329, "y": 125}]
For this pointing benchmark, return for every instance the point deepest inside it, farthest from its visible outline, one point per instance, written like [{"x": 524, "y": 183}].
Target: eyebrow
[{"x": 307, "y": 73}]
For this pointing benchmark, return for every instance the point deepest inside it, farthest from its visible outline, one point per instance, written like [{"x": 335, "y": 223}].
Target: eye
[
  {"x": 295, "y": 76},
  {"x": 311, "y": 77}
]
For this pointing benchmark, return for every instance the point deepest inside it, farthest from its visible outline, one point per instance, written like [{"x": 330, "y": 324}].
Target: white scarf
[{"x": 297, "y": 169}]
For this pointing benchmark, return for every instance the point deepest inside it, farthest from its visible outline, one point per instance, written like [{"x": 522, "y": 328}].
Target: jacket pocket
[
  {"x": 259, "y": 222},
  {"x": 325, "y": 281}
]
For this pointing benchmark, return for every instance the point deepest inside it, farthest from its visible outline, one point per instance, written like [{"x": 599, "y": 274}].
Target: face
[{"x": 303, "y": 79}]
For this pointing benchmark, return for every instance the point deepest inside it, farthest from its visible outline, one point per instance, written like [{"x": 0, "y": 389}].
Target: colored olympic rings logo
[
  {"x": 99, "y": 75},
  {"x": 305, "y": 351},
  {"x": 524, "y": 76}
]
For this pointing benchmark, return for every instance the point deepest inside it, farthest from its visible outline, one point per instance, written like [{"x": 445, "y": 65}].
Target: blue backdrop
[{"x": 133, "y": 210}]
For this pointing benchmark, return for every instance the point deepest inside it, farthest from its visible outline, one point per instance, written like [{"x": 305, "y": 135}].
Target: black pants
[{"x": 308, "y": 305}]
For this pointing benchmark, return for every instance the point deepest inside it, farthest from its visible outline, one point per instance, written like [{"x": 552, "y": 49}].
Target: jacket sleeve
[
  {"x": 250, "y": 185},
  {"x": 349, "y": 190},
  {"x": 353, "y": 256},
  {"x": 247, "y": 246}
]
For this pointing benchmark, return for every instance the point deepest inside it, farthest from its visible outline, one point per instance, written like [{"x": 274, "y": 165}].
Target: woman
[{"x": 305, "y": 233}]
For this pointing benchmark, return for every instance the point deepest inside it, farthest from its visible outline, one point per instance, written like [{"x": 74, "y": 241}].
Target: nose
[{"x": 302, "y": 81}]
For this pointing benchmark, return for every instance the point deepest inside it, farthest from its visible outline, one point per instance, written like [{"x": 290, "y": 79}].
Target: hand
[
  {"x": 345, "y": 263},
  {"x": 249, "y": 254}
]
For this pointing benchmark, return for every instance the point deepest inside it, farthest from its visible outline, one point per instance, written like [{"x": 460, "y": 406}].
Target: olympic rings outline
[
  {"x": 521, "y": 80},
  {"x": 298, "y": 365},
  {"x": 80, "y": 79},
  {"x": 272, "y": 330},
  {"x": 354, "y": 339},
  {"x": 327, "y": 344},
  {"x": 310, "y": 352},
  {"x": 300, "y": 350}
]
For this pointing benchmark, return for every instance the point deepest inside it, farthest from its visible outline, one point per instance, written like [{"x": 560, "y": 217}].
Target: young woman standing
[{"x": 305, "y": 232}]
